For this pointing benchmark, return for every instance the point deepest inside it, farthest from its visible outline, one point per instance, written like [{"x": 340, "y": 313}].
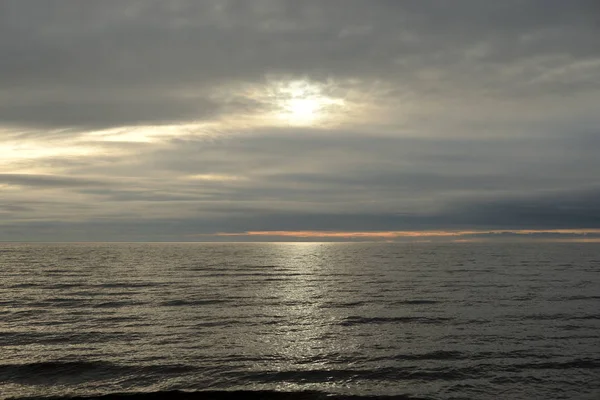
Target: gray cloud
[
  {"x": 482, "y": 114},
  {"x": 562, "y": 210},
  {"x": 50, "y": 181},
  {"x": 68, "y": 64},
  {"x": 280, "y": 180},
  {"x": 97, "y": 113}
]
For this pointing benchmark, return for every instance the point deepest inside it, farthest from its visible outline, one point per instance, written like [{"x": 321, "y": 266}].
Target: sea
[{"x": 411, "y": 320}]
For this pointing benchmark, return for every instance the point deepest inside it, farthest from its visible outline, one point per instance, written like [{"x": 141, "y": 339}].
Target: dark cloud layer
[
  {"x": 51, "y": 181},
  {"x": 563, "y": 211}
]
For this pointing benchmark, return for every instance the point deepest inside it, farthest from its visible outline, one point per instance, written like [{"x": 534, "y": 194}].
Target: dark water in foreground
[{"x": 476, "y": 321}]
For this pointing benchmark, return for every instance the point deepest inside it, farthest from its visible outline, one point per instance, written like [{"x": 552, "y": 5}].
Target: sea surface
[{"x": 434, "y": 321}]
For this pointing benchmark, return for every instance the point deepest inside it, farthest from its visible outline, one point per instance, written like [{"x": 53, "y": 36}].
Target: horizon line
[{"x": 439, "y": 233}]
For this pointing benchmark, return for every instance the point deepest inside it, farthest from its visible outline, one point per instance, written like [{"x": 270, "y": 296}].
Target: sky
[{"x": 299, "y": 120}]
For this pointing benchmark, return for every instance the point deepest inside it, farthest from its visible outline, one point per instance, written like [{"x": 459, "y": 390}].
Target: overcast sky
[{"x": 277, "y": 119}]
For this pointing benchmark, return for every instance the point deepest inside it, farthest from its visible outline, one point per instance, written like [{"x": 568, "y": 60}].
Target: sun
[
  {"x": 302, "y": 111},
  {"x": 304, "y": 103},
  {"x": 300, "y": 102}
]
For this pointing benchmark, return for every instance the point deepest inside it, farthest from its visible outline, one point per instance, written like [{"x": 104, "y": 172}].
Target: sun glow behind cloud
[
  {"x": 283, "y": 102},
  {"x": 303, "y": 102},
  {"x": 301, "y": 111},
  {"x": 279, "y": 101}
]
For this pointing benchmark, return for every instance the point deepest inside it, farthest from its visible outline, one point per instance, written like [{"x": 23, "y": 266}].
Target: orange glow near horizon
[{"x": 408, "y": 234}]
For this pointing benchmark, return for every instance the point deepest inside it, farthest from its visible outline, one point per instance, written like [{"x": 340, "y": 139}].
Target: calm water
[{"x": 477, "y": 321}]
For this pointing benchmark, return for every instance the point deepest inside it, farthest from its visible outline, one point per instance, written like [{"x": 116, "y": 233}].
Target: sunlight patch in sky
[
  {"x": 213, "y": 177},
  {"x": 304, "y": 103},
  {"x": 22, "y": 156}
]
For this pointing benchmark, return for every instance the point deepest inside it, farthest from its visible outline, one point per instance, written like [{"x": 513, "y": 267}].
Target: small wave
[
  {"x": 573, "y": 298},
  {"x": 349, "y": 375},
  {"x": 570, "y": 327},
  {"x": 211, "y": 324},
  {"x": 341, "y": 304},
  {"x": 253, "y": 274},
  {"x": 80, "y": 302},
  {"x": 416, "y": 302},
  {"x": 178, "y": 303},
  {"x": 227, "y": 395},
  {"x": 54, "y": 371},
  {"x": 16, "y": 314},
  {"x": 253, "y": 266},
  {"x": 555, "y": 317},
  {"x": 26, "y": 285},
  {"x": 478, "y": 321},
  {"x": 586, "y": 317},
  {"x": 28, "y": 338},
  {"x": 127, "y": 285},
  {"x": 434, "y": 355},
  {"x": 515, "y": 354},
  {"x": 62, "y": 302},
  {"x": 355, "y": 320},
  {"x": 116, "y": 304},
  {"x": 572, "y": 364},
  {"x": 79, "y": 371}
]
